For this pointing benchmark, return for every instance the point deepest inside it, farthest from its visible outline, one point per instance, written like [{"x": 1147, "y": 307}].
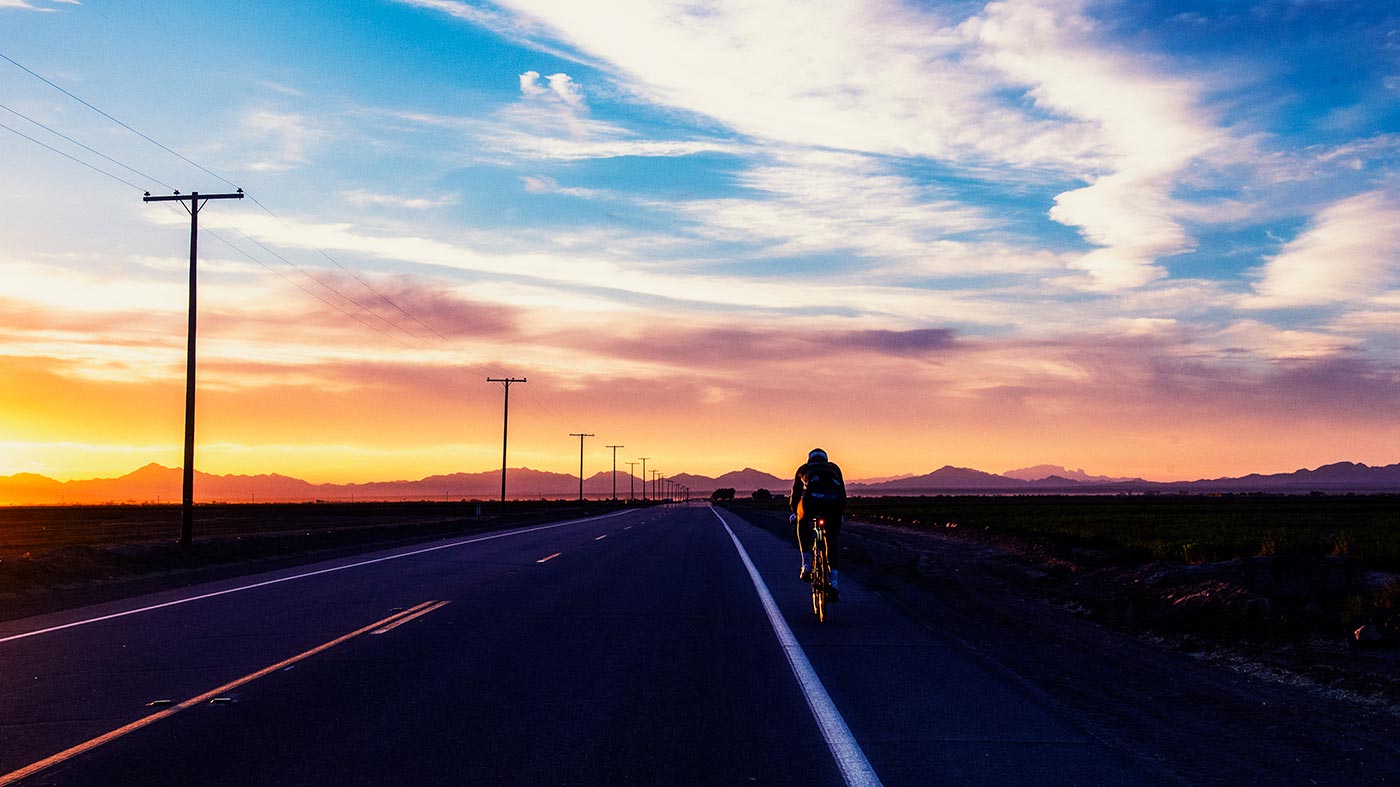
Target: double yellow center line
[{"x": 378, "y": 627}]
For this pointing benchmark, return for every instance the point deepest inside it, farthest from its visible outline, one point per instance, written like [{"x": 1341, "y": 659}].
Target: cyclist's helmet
[{"x": 816, "y": 455}]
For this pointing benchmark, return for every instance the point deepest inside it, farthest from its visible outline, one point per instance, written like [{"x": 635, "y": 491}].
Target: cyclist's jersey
[{"x": 818, "y": 485}]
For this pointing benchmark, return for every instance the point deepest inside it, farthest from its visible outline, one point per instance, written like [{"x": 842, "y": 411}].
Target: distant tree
[
  {"x": 762, "y": 494},
  {"x": 723, "y": 494}
]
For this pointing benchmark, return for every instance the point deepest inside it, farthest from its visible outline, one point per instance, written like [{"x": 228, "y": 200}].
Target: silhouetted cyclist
[{"x": 818, "y": 490}]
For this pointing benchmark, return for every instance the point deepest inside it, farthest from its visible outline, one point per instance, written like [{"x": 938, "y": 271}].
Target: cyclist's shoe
[
  {"x": 832, "y": 594},
  {"x": 806, "y": 575}
]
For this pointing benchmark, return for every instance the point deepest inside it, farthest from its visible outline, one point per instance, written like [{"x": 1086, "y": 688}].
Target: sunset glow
[{"x": 1156, "y": 240}]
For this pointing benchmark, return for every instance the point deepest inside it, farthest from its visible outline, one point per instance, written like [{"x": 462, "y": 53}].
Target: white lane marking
[
  {"x": 600, "y": 538},
  {"x": 70, "y": 753},
  {"x": 855, "y": 768},
  {"x": 412, "y": 616},
  {"x": 551, "y": 557},
  {"x": 255, "y": 585}
]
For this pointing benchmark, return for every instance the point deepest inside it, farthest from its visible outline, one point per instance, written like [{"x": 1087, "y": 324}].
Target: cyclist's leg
[{"x": 805, "y": 537}]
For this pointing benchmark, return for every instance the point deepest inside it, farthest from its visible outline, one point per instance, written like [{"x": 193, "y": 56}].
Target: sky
[{"x": 1146, "y": 239}]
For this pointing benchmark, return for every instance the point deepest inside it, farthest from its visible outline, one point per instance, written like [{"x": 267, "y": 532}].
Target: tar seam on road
[
  {"x": 855, "y": 768},
  {"x": 70, "y": 753},
  {"x": 301, "y": 576}
]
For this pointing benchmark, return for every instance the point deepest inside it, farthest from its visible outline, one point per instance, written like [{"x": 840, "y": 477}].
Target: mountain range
[{"x": 156, "y": 483}]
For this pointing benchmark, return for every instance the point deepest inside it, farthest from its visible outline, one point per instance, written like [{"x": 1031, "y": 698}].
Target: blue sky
[{"x": 1155, "y": 239}]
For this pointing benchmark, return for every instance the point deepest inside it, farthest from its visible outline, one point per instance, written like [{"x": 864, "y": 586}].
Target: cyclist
[{"x": 818, "y": 490}]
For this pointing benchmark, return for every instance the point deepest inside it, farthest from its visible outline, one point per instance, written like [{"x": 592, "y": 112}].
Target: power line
[
  {"x": 55, "y": 132},
  {"x": 312, "y": 293},
  {"x": 92, "y": 167},
  {"x": 51, "y": 84},
  {"x": 549, "y": 409},
  {"x": 545, "y": 406}
]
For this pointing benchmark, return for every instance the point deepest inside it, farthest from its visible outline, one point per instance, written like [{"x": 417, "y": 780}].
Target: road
[{"x": 629, "y": 648}]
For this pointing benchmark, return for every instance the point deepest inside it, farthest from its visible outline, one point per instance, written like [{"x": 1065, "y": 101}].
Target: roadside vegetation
[
  {"x": 69, "y": 548},
  {"x": 1193, "y": 529}
]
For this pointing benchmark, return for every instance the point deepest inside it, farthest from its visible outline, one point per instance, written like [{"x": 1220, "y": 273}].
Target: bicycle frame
[{"x": 821, "y": 568}]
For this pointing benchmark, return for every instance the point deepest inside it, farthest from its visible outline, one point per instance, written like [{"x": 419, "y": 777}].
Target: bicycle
[{"x": 821, "y": 568}]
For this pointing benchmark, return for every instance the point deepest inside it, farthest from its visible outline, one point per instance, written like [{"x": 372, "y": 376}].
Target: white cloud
[
  {"x": 369, "y": 199},
  {"x": 530, "y": 86},
  {"x": 568, "y": 91},
  {"x": 542, "y": 184},
  {"x": 567, "y": 271},
  {"x": 819, "y": 201},
  {"x": 561, "y": 103},
  {"x": 1350, "y": 251},
  {"x": 539, "y": 184},
  {"x": 889, "y": 78},
  {"x": 1260, "y": 339},
  {"x": 1148, "y": 128},
  {"x": 282, "y": 139}
]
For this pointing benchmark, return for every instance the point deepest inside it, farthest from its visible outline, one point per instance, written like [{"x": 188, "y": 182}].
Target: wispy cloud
[
  {"x": 282, "y": 139},
  {"x": 1350, "y": 250},
  {"x": 817, "y": 201},
  {"x": 543, "y": 184},
  {"x": 894, "y": 79},
  {"x": 369, "y": 199},
  {"x": 1147, "y": 128}
]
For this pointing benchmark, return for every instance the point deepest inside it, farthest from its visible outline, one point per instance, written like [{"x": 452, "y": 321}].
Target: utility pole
[
  {"x": 580, "y": 436},
  {"x": 655, "y": 487},
  {"x": 631, "y": 473},
  {"x": 644, "y": 476},
  {"x": 196, "y": 202},
  {"x": 614, "y": 448},
  {"x": 505, "y": 431}
]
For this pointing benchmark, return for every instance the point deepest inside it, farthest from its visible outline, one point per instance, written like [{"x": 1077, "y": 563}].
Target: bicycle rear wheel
[{"x": 820, "y": 577}]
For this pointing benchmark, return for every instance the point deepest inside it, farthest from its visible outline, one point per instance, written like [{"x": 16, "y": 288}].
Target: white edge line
[
  {"x": 855, "y": 768},
  {"x": 280, "y": 580}
]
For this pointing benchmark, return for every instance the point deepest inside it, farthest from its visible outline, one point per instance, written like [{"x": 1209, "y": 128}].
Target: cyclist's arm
[{"x": 797, "y": 489}]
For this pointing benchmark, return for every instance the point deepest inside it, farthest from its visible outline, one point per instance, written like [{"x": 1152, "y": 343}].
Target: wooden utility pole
[
  {"x": 505, "y": 431},
  {"x": 644, "y": 476},
  {"x": 631, "y": 473},
  {"x": 196, "y": 202},
  {"x": 580, "y": 436},
  {"x": 614, "y": 448}
]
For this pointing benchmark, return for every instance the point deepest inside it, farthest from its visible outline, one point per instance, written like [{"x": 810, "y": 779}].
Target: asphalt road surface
[{"x": 655, "y": 646}]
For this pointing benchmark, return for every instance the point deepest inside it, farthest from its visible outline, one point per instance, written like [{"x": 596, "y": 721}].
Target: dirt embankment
[{"x": 1295, "y": 616}]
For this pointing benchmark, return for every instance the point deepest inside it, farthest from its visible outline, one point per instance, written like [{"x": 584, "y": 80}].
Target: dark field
[
  {"x": 36, "y": 530},
  {"x": 1191, "y": 529},
  {"x": 63, "y": 556}
]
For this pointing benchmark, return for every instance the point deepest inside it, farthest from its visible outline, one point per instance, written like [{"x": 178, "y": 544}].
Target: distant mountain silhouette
[
  {"x": 156, "y": 483},
  {"x": 944, "y": 478},
  {"x": 1045, "y": 472}
]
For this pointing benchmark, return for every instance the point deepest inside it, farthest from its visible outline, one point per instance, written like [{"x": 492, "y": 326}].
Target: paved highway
[{"x": 656, "y": 646}]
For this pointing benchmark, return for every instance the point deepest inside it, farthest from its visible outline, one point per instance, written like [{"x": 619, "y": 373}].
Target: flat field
[
  {"x": 58, "y": 554},
  {"x": 1191, "y": 529},
  {"x": 37, "y": 530}
]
